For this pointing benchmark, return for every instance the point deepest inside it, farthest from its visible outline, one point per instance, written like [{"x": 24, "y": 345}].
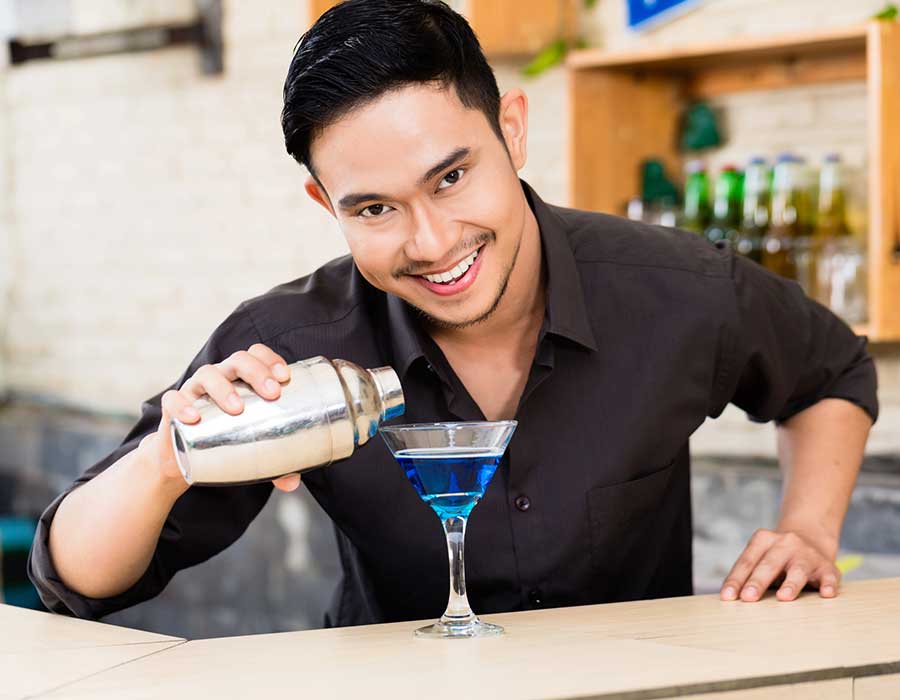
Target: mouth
[{"x": 455, "y": 279}]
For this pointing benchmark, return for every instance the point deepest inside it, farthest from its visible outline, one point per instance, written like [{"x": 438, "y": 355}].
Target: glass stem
[{"x": 458, "y": 610}]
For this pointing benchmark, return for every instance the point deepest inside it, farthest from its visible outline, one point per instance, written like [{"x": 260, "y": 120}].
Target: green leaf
[
  {"x": 889, "y": 13},
  {"x": 550, "y": 56}
]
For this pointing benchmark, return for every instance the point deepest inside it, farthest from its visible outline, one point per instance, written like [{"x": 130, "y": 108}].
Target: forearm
[
  {"x": 820, "y": 451},
  {"x": 104, "y": 533}
]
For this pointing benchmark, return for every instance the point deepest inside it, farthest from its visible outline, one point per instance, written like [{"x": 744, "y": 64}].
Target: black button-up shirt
[{"x": 647, "y": 332}]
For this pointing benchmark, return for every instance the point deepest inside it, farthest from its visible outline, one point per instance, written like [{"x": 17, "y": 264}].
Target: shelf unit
[
  {"x": 624, "y": 107},
  {"x": 505, "y": 28}
]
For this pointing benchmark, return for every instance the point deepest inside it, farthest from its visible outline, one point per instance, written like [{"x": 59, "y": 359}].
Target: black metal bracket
[{"x": 205, "y": 33}]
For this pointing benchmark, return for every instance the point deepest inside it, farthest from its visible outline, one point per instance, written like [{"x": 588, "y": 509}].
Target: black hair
[{"x": 361, "y": 49}]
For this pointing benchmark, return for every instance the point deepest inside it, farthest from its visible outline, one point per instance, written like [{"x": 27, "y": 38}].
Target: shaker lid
[{"x": 391, "y": 393}]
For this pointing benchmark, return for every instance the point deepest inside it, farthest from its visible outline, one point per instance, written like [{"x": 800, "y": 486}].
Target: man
[{"x": 609, "y": 341}]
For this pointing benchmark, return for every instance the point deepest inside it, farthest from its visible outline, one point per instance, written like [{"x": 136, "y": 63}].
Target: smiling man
[{"x": 610, "y": 341}]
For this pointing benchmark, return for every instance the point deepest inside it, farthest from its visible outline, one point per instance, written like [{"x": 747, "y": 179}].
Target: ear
[
  {"x": 514, "y": 125},
  {"x": 318, "y": 194}
]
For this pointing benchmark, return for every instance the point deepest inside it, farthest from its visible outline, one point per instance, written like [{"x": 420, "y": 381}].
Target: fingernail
[
  {"x": 729, "y": 593},
  {"x": 272, "y": 386},
  {"x": 189, "y": 413},
  {"x": 750, "y": 592},
  {"x": 234, "y": 402},
  {"x": 281, "y": 372},
  {"x": 827, "y": 590},
  {"x": 787, "y": 590}
]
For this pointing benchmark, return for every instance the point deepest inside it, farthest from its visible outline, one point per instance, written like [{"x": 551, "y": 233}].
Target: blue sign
[{"x": 644, "y": 13}]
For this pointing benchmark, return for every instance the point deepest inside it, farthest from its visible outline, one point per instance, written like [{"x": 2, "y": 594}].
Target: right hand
[{"x": 259, "y": 366}]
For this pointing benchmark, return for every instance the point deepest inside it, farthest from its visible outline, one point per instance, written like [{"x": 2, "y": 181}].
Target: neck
[{"x": 520, "y": 312}]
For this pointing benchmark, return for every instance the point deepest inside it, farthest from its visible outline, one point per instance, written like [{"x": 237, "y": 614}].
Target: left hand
[{"x": 800, "y": 559}]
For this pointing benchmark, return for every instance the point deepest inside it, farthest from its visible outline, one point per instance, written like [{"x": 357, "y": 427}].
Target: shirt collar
[
  {"x": 566, "y": 311},
  {"x": 566, "y": 314}
]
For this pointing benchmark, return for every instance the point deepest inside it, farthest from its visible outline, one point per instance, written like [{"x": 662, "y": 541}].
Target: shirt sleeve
[
  {"x": 203, "y": 521},
  {"x": 781, "y": 352}
]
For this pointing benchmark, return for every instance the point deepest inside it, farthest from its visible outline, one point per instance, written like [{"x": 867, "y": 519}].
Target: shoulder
[
  {"x": 598, "y": 239},
  {"x": 328, "y": 297}
]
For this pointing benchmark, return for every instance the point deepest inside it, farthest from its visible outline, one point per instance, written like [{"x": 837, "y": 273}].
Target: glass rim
[{"x": 410, "y": 427}]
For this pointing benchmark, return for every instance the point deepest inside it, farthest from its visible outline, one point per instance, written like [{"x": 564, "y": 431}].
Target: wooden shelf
[
  {"x": 625, "y": 106},
  {"x": 505, "y": 28},
  {"x": 742, "y": 49}
]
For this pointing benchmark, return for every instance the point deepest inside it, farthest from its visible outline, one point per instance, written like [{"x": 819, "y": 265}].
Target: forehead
[{"x": 390, "y": 142}]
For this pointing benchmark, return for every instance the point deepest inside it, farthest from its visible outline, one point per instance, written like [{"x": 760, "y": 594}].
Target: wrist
[
  {"x": 159, "y": 468},
  {"x": 824, "y": 538}
]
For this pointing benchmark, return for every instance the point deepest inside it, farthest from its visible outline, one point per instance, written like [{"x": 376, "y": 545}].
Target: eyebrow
[{"x": 350, "y": 201}]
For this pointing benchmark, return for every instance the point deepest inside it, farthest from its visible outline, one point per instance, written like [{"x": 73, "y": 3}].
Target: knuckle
[
  {"x": 204, "y": 371},
  {"x": 760, "y": 535},
  {"x": 800, "y": 568},
  {"x": 791, "y": 538},
  {"x": 238, "y": 357},
  {"x": 171, "y": 398},
  {"x": 745, "y": 561}
]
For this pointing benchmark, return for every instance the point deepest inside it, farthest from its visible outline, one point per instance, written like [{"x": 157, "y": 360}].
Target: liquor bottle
[
  {"x": 832, "y": 217},
  {"x": 788, "y": 205},
  {"x": 726, "y": 207},
  {"x": 697, "y": 213},
  {"x": 757, "y": 203}
]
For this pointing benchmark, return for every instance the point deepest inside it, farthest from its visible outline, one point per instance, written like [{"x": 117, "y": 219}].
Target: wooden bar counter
[
  {"x": 698, "y": 647},
  {"x": 40, "y": 652}
]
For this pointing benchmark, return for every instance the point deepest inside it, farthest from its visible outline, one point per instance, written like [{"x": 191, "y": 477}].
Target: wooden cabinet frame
[{"x": 624, "y": 107}]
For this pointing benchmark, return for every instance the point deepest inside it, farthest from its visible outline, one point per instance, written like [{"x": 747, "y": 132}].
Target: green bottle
[
  {"x": 756, "y": 209},
  {"x": 726, "y": 207},
  {"x": 697, "y": 212}
]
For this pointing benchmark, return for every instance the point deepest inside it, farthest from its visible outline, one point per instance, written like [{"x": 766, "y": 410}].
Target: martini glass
[{"x": 450, "y": 465}]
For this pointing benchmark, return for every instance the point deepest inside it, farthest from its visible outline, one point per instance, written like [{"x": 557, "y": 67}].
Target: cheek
[
  {"x": 376, "y": 257},
  {"x": 490, "y": 202}
]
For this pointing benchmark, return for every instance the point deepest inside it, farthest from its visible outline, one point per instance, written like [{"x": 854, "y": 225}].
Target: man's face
[{"x": 428, "y": 198}]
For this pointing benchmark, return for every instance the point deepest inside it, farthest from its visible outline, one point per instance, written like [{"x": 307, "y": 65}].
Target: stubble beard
[{"x": 443, "y": 324}]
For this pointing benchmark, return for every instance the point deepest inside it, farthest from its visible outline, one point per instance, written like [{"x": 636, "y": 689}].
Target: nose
[{"x": 433, "y": 235}]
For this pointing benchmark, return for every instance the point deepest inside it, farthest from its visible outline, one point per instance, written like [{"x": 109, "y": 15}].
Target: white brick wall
[{"x": 141, "y": 201}]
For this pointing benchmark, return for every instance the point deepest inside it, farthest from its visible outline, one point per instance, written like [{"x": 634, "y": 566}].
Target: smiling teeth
[{"x": 454, "y": 274}]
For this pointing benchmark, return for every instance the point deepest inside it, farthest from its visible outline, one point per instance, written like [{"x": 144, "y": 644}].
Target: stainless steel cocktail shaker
[{"x": 325, "y": 410}]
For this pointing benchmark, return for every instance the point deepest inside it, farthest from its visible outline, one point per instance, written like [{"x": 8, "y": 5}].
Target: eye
[
  {"x": 374, "y": 210},
  {"x": 451, "y": 178}
]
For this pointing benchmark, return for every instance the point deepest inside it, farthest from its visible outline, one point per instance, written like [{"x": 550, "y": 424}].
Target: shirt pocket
[{"x": 626, "y": 541}]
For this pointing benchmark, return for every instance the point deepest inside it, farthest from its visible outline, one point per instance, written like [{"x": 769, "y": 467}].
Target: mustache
[{"x": 468, "y": 244}]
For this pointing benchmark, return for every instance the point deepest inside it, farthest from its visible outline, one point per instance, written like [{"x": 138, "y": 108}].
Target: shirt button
[
  {"x": 523, "y": 503},
  {"x": 535, "y": 598}
]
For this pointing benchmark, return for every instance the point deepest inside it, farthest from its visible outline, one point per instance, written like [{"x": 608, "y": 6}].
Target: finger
[
  {"x": 759, "y": 544},
  {"x": 242, "y": 365},
  {"x": 828, "y": 578},
  {"x": 770, "y": 567},
  {"x": 287, "y": 483},
  {"x": 174, "y": 403},
  {"x": 275, "y": 361},
  {"x": 209, "y": 380},
  {"x": 796, "y": 578}
]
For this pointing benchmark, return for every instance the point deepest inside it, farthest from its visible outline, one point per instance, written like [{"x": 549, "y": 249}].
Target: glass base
[{"x": 474, "y": 628}]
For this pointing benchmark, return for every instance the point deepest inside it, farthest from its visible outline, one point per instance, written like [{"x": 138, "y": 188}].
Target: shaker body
[{"x": 315, "y": 421}]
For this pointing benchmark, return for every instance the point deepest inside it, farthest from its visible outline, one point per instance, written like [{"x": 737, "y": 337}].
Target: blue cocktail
[{"x": 450, "y": 466}]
